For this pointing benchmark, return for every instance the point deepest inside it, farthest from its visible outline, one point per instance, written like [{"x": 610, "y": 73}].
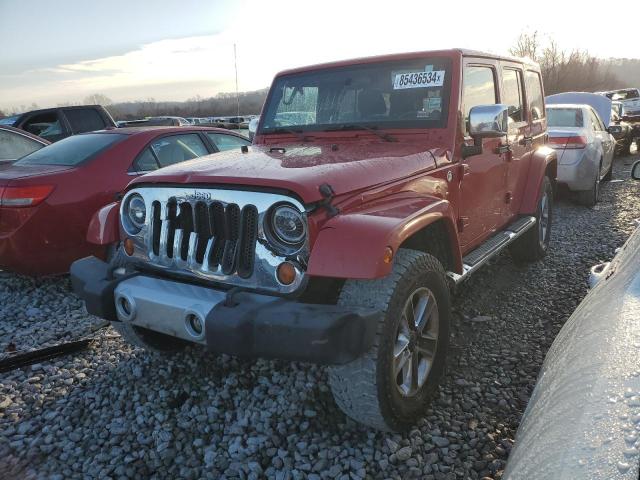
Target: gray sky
[{"x": 62, "y": 51}]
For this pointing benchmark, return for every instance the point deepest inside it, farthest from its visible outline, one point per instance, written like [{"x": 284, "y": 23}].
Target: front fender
[
  {"x": 543, "y": 158},
  {"x": 104, "y": 228},
  {"x": 352, "y": 245}
]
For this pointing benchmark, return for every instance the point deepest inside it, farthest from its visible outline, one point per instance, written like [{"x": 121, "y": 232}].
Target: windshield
[
  {"x": 9, "y": 120},
  {"x": 398, "y": 94},
  {"x": 623, "y": 94},
  {"x": 72, "y": 150},
  {"x": 565, "y": 117}
]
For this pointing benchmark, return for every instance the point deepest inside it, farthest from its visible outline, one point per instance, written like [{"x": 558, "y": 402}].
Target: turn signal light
[
  {"x": 129, "y": 246},
  {"x": 286, "y": 273},
  {"x": 387, "y": 256},
  {"x": 24, "y": 196}
]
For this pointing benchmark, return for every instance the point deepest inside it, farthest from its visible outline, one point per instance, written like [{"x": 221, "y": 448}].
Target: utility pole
[{"x": 235, "y": 63}]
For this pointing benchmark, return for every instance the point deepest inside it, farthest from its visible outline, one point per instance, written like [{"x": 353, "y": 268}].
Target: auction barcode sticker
[{"x": 418, "y": 80}]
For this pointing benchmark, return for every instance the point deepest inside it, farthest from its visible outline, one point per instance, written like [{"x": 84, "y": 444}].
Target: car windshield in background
[
  {"x": 405, "y": 94},
  {"x": 9, "y": 120},
  {"x": 72, "y": 150},
  {"x": 565, "y": 117},
  {"x": 623, "y": 94}
]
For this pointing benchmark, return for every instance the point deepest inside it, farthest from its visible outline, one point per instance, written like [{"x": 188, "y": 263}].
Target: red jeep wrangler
[{"x": 373, "y": 186}]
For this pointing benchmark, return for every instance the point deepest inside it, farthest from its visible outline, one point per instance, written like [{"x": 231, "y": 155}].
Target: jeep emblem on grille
[{"x": 196, "y": 195}]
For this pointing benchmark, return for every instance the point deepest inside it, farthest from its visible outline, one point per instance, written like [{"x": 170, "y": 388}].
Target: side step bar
[{"x": 481, "y": 255}]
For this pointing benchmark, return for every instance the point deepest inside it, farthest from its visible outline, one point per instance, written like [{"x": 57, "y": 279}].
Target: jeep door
[
  {"x": 519, "y": 138},
  {"x": 483, "y": 185}
]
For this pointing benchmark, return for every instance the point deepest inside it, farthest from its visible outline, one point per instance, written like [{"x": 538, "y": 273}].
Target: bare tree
[
  {"x": 97, "y": 99},
  {"x": 527, "y": 46}
]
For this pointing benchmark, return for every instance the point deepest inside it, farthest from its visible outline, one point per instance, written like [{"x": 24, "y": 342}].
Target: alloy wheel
[{"x": 416, "y": 342}]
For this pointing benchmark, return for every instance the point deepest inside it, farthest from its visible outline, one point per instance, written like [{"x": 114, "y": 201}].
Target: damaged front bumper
[{"x": 242, "y": 323}]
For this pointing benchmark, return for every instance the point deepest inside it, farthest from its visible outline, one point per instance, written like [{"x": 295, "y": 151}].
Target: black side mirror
[{"x": 635, "y": 170}]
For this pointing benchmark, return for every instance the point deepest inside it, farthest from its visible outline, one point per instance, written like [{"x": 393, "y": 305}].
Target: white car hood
[{"x": 600, "y": 103}]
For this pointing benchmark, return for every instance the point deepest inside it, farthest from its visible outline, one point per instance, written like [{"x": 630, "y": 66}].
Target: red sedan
[{"x": 48, "y": 197}]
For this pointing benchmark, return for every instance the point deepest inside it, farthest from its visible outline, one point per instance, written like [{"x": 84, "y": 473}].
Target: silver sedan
[{"x": 585, "y": 149}]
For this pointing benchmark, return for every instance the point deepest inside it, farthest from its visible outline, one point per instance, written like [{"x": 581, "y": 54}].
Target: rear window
[
  {"x": 84, "y": 120},
  {"x": 72, "y": 150},
  {"x": 565, "y": 117},
  {"x": 13, "y": 145}
]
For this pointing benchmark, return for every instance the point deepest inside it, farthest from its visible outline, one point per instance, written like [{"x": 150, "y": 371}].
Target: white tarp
[{"x": 600, "y": 103}]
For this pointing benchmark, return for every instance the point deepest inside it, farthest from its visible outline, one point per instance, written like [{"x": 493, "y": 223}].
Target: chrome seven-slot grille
[{"x": 212, "y": 235}]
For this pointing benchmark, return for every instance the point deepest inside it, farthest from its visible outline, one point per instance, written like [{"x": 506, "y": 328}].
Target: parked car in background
[
  {"x": 585, "y": 149},
  {"x": 581, "y": 137},
  {"x": 48, "y": 197},
  {"x": 583, "y": 418},
  {"x": 165, "y": 121},
  {"x": 629, "y": 97},
  {"x": 232, "y": 123},
  {"x": 337, "y": 241},
  {"x": 16, "y": 143},
  {"x": 624, "y": 132},
  {"x": 54, "y": 124}
]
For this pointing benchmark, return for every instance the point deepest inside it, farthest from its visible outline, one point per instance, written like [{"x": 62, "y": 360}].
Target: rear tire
[
  {"x": 534, "y": 243},
  {"x": 378, "y": 389},
  {"x": 589, "y": 198}
]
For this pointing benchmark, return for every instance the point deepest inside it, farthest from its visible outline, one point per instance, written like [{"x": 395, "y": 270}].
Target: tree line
[{"x": 576, "y": 70}]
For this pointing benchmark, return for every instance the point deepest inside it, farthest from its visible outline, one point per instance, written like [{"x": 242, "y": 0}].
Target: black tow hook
[{"x": 229, "y": 300}]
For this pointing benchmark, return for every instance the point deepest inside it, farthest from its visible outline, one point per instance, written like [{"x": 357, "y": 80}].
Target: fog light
[
  {"x": 129, "y": 246},
  {"x": 194, "y": 324},
  {"x": 286, "y": 273}
]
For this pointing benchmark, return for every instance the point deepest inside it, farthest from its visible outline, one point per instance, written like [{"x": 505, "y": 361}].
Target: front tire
[
  {"x": 534, "y": 243},
  {"x": 388, "y": 388}
]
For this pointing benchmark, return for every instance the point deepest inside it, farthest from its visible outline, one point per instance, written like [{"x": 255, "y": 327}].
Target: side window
[
  {"x": 14, "y": 145},
  {"x": 227, "y": 142},
  {"x": 479, "y": 89},
  {"x": 512, "y": 93},
  {"x": 178, "y": 148},
  {"x": 84, "y": 120},
  {"x": 45, "y": 125},
  {"x": 595, "y": 121},
  {"x": 146, "y": 161},
  {"x": 534, "y": 92}
]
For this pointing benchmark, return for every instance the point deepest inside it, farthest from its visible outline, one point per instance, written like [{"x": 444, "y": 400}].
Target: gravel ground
[{"x": 114, "y": 411}]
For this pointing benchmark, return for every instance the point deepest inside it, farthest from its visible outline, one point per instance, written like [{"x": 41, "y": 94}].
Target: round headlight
[
  {"x": 137, "y": 211},
  {"x": 288, "y": 225}
]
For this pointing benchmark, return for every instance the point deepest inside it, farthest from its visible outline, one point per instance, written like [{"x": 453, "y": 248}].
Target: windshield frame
[{"x": 385, "y": 126}]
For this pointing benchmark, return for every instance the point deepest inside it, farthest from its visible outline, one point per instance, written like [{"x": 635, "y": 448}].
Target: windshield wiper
[
  {"x": 353, "y": 126},
  {"x": 297, "y": 133}
]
